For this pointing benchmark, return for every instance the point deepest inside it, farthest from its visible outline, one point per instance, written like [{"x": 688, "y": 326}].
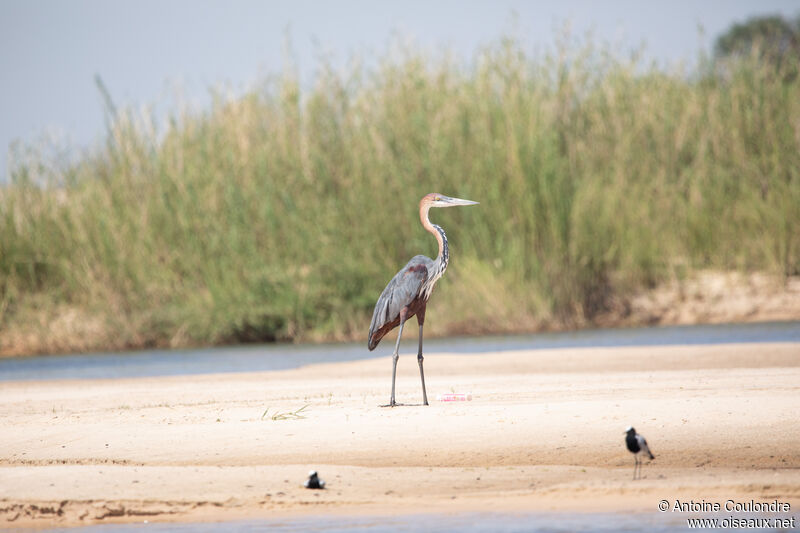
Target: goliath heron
[
  {"x": 407, "y": 293},
  {"x": 637, "y": 445}
]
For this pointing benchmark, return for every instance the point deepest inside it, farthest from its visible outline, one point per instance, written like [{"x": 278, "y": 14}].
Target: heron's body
[
  {"x": 411, "y": 287},
  {"x": 408, "y": 292},
  {"x": 404, "y": 291}
]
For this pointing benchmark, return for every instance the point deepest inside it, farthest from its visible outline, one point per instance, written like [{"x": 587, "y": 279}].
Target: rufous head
[{"x": 435, "y": 199}]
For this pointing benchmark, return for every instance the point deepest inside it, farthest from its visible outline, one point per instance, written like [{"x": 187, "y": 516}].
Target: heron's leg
[
  {"x": 421, "y": 372},
  {"x": 395, "y": 357}
]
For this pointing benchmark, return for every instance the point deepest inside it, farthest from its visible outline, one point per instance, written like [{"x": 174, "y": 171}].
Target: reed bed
[{"x": 281, "y": 214}]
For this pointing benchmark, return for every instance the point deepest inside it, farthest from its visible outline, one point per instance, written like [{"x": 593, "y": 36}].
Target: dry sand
[{"x": 543, "y": 432}]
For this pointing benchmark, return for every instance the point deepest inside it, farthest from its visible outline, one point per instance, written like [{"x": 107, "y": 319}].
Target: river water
[{"x": 254, "y": 358}]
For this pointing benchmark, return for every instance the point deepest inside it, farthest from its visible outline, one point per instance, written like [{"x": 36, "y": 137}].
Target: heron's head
[
  {"x": 630, "y": 430},
  {"x": 435, "y": 199}
]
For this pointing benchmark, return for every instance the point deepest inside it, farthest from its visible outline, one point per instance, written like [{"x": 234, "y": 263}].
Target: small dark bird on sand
[
  {"x": 637, "y": 445},
  {"x": 313, "y": 481}
]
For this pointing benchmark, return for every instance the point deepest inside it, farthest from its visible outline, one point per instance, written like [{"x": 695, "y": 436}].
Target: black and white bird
[
  {"x": 637, "y": 445},
  {"x": 313, "y": 481}
]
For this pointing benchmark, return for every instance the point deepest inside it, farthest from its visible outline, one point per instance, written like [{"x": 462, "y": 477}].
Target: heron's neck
[{"x": 444, "y": 253}]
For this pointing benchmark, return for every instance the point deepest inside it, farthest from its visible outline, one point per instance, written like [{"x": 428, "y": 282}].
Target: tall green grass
[{"x": 282, "y": 214}]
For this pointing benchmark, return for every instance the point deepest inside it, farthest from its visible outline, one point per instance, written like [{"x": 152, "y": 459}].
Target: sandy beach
[{"x": 544, "y": 431}]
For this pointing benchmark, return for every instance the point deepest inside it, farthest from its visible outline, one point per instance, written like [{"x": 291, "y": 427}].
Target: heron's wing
[{"x": 400, "y": 292}]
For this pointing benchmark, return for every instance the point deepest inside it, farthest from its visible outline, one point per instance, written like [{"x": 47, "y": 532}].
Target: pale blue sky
[{"x": 50, "y": 50}]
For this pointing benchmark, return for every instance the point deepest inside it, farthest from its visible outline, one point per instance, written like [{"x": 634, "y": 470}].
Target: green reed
[{"x": 282, "y": 214}]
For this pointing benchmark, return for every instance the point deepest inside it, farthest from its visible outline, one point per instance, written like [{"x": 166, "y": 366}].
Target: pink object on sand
[{"x": 454, "y": 397}]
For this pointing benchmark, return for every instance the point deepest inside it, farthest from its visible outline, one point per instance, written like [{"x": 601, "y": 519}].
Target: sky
[{"x": 148, "y": 51}]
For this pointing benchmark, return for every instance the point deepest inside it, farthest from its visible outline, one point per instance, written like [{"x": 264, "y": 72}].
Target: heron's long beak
[{"x": 448, "y": 201}]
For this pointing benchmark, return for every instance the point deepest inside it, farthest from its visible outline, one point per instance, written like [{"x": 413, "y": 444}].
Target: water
[
  {"x": 254, "y": 358},
  {"x": 433, "y": 523}
]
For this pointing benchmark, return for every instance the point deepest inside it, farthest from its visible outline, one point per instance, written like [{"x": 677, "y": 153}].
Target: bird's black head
[{"x": 630, "y": 431}]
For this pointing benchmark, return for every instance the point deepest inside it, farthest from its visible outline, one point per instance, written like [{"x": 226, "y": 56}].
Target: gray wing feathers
[
  {"x": 400, "y": 292},
  {"x": 643, "y": 446}
]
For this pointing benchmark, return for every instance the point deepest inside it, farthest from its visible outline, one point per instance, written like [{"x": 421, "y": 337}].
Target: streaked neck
[{"x": 444, "y": 253}]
